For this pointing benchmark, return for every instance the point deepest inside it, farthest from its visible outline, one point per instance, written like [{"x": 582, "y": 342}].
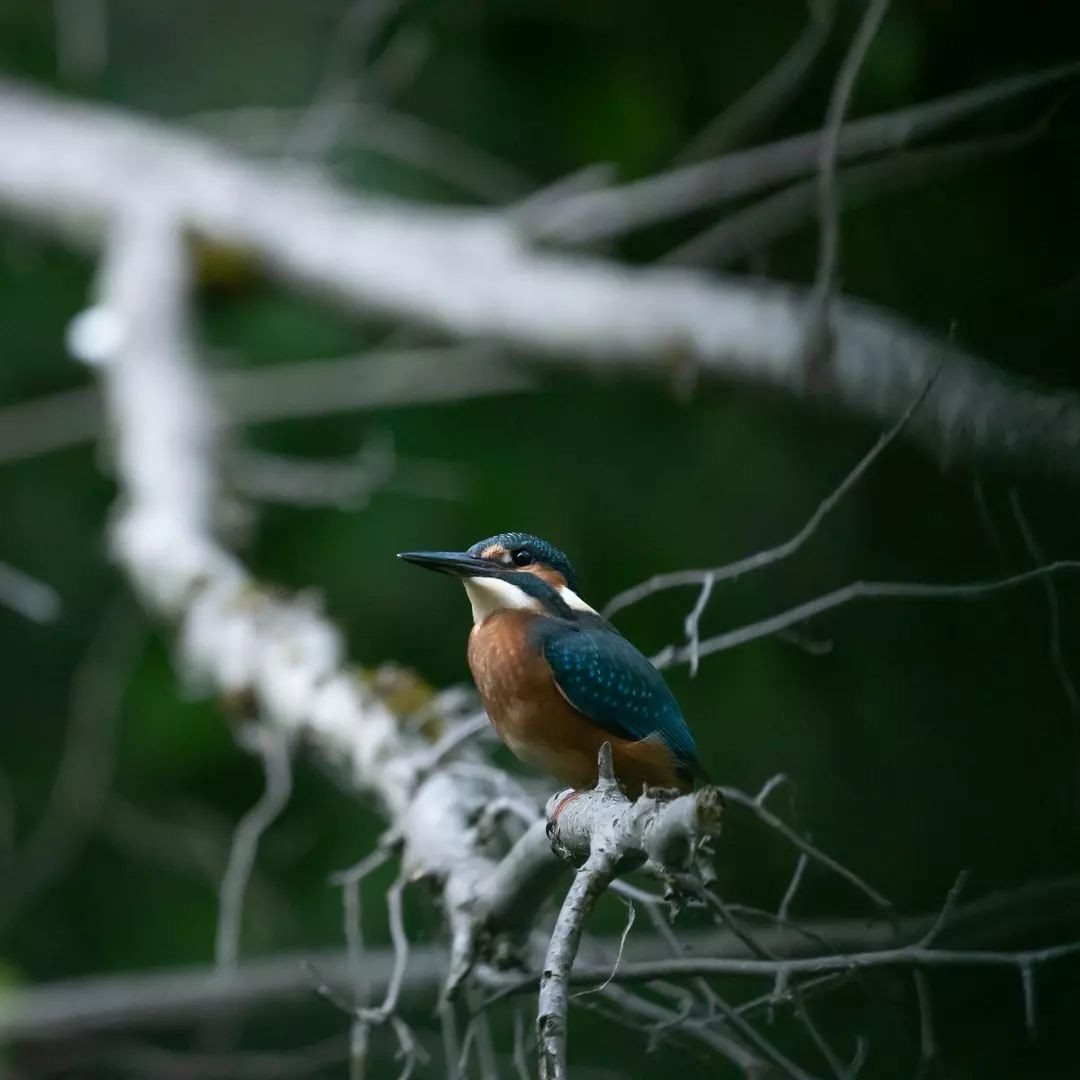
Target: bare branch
[
  {"x": 380, "y": 379},
  {"x": 85, "y": 772},
  {"x": 82, "y": 38},
  {"x": 266, "y": 132},
  {"x": 31, "y": 598},
  {"x": 861, "y": 590},
  {"x": 907, "y": 956},
  {"x": 631, "y": 912},
  {"x": 838, "y": 1068},
  {"x": 761, "y": 559},
  {"x": 319, "y": 125},
  {"x": 138, "y": 1059},
  {"x": 667, "y": 1022},
  {"x": 275, "y": 753},
  {"x": 828, "y": 211},
  {"x": 946, "y": 912},
  {"x": 1052, "y": 603},
  {"x": 610, "y": 832},
  {"x": 764, "y": 99},
  {"x": 75, "y": 168},
  {"x": 78, "y": 1007},
  {"x": 521, "y": 1064},
  {"x": 589, "y": 882},
  {"x": 746, "y": 231},
  {"x": 756, "y": 804},
  {"x": 604, "y": 214}
]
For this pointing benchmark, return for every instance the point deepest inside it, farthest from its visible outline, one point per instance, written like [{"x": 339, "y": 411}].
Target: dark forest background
[{"x": 935, "y": 736}]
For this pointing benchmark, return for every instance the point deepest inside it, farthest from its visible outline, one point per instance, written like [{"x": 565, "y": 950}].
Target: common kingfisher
[{"x": 557, "y": 679}]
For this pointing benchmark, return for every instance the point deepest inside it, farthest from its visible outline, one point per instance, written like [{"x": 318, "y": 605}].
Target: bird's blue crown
[{"x": 541, "y": 551}]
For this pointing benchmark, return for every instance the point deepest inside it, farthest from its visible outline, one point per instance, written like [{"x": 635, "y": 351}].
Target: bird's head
[{"x": 512, "y": 570}]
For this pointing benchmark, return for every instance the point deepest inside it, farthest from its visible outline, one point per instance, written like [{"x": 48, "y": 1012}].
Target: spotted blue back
[{"x": 607, "y": 680}]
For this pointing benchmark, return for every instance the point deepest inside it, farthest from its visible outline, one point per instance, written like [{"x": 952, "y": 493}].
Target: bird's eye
[{"x": 521, "y": 556}]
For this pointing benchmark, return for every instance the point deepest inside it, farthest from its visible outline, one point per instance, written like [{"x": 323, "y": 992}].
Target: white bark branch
[
  {"x": 612, "y": 834},
  {"x": 247, "y": 644},
  {"x": 75, "y": 168},
  {"x": 244, "y": 641}
]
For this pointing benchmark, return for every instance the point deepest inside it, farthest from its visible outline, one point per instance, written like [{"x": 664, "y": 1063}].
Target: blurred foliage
[{"x": 933, "y": 737}]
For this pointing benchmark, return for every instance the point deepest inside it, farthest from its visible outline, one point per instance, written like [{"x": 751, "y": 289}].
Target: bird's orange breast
[{"x": 539, "y": 725}]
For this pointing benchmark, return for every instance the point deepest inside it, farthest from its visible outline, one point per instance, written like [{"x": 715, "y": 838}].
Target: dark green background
[{"x": 935, "y": 737}]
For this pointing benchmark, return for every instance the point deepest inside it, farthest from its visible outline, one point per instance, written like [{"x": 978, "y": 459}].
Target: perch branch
[{"x": 612, "y": 834}]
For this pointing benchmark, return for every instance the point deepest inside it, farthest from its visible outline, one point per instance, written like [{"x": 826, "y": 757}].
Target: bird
[{"x": 556, "y": 678}]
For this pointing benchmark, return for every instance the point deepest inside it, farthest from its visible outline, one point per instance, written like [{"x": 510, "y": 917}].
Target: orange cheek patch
[
  {"x": 545, "y": 573},
  {"x": 493, "y": 551}
]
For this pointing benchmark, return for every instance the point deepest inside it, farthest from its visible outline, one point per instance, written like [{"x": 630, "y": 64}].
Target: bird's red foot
[{"x": 553, "y": 821}]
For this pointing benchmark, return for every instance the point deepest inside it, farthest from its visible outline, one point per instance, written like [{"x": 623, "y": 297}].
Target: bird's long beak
[{"x": 458, "y": 563}]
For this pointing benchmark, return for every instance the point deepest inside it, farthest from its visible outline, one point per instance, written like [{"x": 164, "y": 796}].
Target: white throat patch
[{"x": 489, "y": 595}]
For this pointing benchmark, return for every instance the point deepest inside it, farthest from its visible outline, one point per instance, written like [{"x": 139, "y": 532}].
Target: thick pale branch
[
  {"x": 244, "y": 641},
  {"x": 75, "y": 168},
  {"x": 611, "y": 834}
]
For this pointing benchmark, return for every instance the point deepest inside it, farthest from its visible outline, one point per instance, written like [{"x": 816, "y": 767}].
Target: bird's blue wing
[{"x": 607, "y": 680}]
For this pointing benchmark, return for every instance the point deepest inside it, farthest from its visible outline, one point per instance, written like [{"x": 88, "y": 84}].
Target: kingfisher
[{"x": 556, "y": 678}]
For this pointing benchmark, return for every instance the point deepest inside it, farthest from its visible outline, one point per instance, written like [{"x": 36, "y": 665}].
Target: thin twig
[
  {"x": 838, "y": 1068},
  {"x": 594, "y": 216},
  {"x": 1053, "y": 603},
  {"x": 84, "y": 775},
  {"x": 751, "y": 229},
  {"x": 668, "y": 1022},
  {"x": 760, "y": 103},
  {"x": 274, "y": 751},
  {"x": 905, "y": 956},
  {"x": 693, "y": 621},
  {"x": 861, "y": 590},
  {"x": 631, "y": 912},
  {"x": 31, "y": 598},
  {"x": 769, "y": 556},
  {"x": 319, "y": 125},
  {"x": 757, "y": 805},
  {"x": 520, "y": 1056},
  {"x": 828, "y": 211}
]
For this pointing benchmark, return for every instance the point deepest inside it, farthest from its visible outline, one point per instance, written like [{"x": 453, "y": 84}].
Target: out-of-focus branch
[
  {"x": 284, "y": 661},
  {"x": 101, "y": 1003},
  {"x": 762, "y": 101},
  {"x": 74, "y": 168},
  {"x": 85, "y": 772},
  {"x": 275, "y": 752},
  {"x": 265, "y": 132},
  {"x": 762, "y": 223},
  {"x": 829, "y": 148},
  {"x": 381, "y": 379},
  {"x": 113, "y": 1002},
  {"x": 245, "y": 641},
  {"x": 600, "y": 215},
  {"x": 31, "y": 598}
]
